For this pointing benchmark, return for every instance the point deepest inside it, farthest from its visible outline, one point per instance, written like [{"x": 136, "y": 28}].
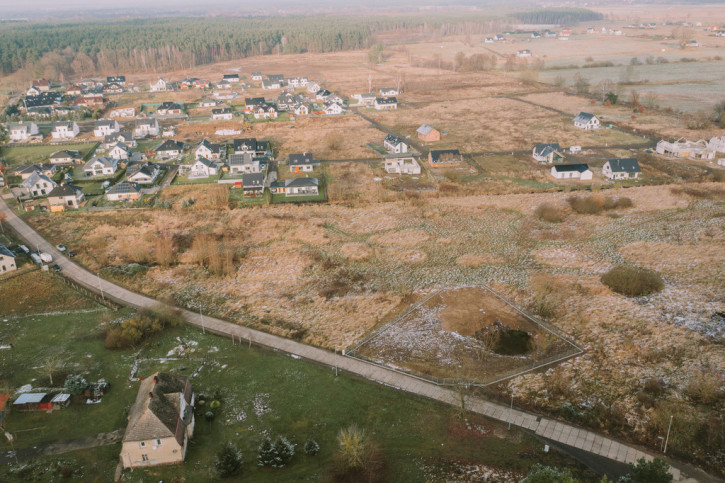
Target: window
[
  {"x": 144, "y": 457},
  {"x": 143, "y": 444},
  {"x": 158, "y": 442}
]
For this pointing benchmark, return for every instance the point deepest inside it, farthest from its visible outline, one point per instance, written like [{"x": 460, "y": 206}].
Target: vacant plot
[
  {"x": 39, "y": 291},
  {"x": 465, "y": 333},
  {"x": 36, "y": 153},
  {"x": 468, "y": 128}
]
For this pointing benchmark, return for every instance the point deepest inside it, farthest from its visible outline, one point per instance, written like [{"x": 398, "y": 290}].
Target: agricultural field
[{"x": 414, "y": 436}]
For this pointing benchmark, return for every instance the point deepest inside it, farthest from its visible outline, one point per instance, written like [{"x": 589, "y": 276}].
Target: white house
[
  {"x": 122, "y": 112},
  {"x": 208, "y": 150},
  {"x": 146, "y": 127},
  {"x": 333, "y": 108},
  {"x": 256, "y": 76},
  {"x": 621, "y": 168},
  {"x": 395, "y": 144},
  {"x": 65, "y": 196},
  {"x": 119, "y": 151},
  {"x": 389, "y": 91},
  {"x": 207, "y": 103},
  {"x": 203, "y": 168},
  {"x": 222, "y": 114},
  {"x": 142, "y": 173},
  {"x": 523, "y": 53},
  {"x": 385, "y": 103},
  {"x": 169, "y": 149},
  {"x": 571, "y": 171},
  {"x": 104, "y": 127},
  {"x": 7, "y": 260},
  {"x": 124, "y": 191},
  {"x": 64, "y": 130},
  {"x": 302, "y": 162},
  {"x": 683, "y": 148},
  {"x": 267, "y": 111},
  {"x": 401, "y": 166},
  {"x": 37, "y": 185},
  {"x": 269, "y": 85},
  {"x": 313, "y": 87},
  {"x": 124, "y": 137},
  {"x": 547, "y": 153},
  {"x": 159, "y": 86},
  {"x": 23, "y": 131},
  {"x": 301, "y": 186},
  {"x": 66, "y": 156},
  {"x": 717, "y": 144},
  {"x": 301, "y": 109},
  {"x": 585, "y": 120},
  {"x": 246, "y": 163},
  {"x": 367, "y": 99},
  {"x": 100, "y": 166}
]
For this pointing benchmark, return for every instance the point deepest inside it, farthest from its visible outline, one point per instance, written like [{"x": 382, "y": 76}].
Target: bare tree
[
  {"x": 51, "y": 364},
  {"x": 604, "y": 87}
]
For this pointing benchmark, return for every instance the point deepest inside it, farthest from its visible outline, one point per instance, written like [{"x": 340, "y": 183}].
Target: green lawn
[
  {"x": 184, "y": 179},
  {"x": 40, "y": 153},
  {"x": 261, "y": 392}
]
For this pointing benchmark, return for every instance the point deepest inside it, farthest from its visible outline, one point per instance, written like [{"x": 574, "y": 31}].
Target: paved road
[{"x": 552, "y": 430}]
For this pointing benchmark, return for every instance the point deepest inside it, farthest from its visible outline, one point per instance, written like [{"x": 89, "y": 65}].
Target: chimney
[{"x": 151, "y": 395}]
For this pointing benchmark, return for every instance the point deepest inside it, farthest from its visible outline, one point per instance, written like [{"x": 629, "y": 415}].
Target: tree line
[
  {"x": 81, "y": 48},
  {"x": 557, "y": 16}
]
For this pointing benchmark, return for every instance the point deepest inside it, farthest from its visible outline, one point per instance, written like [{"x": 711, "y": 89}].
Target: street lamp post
[
  {"x": 335, "y": 361},
  {"x": 100, "y": 287},
  {"x": 511, "y": 410},
  {"x": 667, "y": 439},
  {"x": 201, "y": 316}
]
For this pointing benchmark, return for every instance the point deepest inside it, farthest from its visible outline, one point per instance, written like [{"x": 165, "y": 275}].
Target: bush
[
  {"x": 547, "y": 474},
  {"x": 655, "y": 471},
  {"x": 228, "y": 461},
  {"x": 548, "y": 212},
  {"x": 632, "y": 281},
  {"x": 75, "y": 384},
  {"x": 589, "y": 205},
  {"x": 147, "y": 323},
  {"x": 612, "y": 203},
  {"x": 311, "y": 447}
]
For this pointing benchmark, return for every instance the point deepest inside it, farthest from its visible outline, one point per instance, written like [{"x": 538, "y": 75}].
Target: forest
[
  {"x": 80, "y": 48},
  {"x": 557, "y": 16}
]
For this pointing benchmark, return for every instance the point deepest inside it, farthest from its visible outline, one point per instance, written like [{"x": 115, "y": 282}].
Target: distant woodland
[
  {"x": 59, "y": 50},
  {"x": 557, "y": 16}
]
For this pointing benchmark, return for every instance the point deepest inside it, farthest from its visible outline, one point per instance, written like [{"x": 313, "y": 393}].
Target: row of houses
[{"x": 683, "y": 148}]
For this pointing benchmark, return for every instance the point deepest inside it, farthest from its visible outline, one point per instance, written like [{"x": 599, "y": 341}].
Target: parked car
[
  {"x": 57, "y": 268},
  {"x": 61, "y": 248},
  {"x": 71, "y": 254}
]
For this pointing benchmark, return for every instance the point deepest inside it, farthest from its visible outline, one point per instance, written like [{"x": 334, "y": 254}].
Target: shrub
[
  {"x": 266, "y": 453},
  {"x": 284, "y": 452},
  {"x": 547, "y": 474},
  {"x": 612, "y": 203},
  {"x": 706, "y": 387},
  {"x": 548, "y": 212},
  {"x": 655, "y": 471},
  {"x": 311, "y": 447},
  {"x": 589, "y": 205},
  {"x": 145, "y": 324},
  {"x": 75, "y": 384},
  {"x": 632, "y": 281},
  {"x": 228, "y": 461}
]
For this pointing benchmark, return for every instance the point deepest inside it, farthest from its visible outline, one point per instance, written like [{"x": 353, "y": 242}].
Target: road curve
[{"x": 549, "y": 429}]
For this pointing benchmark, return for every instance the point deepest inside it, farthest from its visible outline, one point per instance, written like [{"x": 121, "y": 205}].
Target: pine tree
[
  {"x": 311, "y": 447},
  {"x": 284, "y": 452},
  {"x": 228, "y": 461},
  {"x": 267, "y": 453}
]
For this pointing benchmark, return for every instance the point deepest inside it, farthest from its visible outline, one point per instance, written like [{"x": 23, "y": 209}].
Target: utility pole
[
  {"x": 667, "y": 440},
  {"x": 201, "y": 316},
  {"x": 511, "y": 410},
  {"x": 100, "y": 287},
  {"x": 370, "y": 83},
  {"x": 335, "y": 361}
]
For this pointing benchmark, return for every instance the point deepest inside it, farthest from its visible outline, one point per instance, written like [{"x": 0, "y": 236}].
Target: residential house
[
  {"x": 300, "y": 109},
  {"x": 100, "y": 166},
  {"x": 113, "y": 89},
  {"x": 124, "y": 191},
  {"x": 256, "y": 76},
  {"x": 32, "y": 92},
  {"x": 366, "y": 99},
  {"x": 322, "y": 94},
  {"x": 7, "y": 260},
  {"x": 253, "y": 184},
  {"x": 333, "y": 109},
  {"x": 25, "y": 171},
  {"x": 232, "y": 78},
  {"x": 498, "y": 38},
  {"x": 225, "y": 113},
  {"x": 385, "y": 103},
  {"x": 104, "y": 127},
  {"x": 43, "y": 85},
  {"x": 298, "y": 82},
  {"x": 571, "y": 171},
  {"x": 142, "y": 173},
  {"x": 122, "y": 112},
  {"x": 395, "y": 144},
  {"x": 683, "y": 148},
  {"x": 43, "y": 111},
  {"x": 535, "y": 35},
  {"x": 146, "y": 127},
  {"x": 74, "y": 90},
  {"x": 717, "y": 144},
  {"x": 65, "y": 196},
  {"x": 246, "y": 163},
  {"x": 251, "y": 145},
  {"x": 170, "y": 149},
  {"x": 42, "y": 99},
  {"x": 124, "y": 137},
  {"x": 301, "y": 186},
  {"x": 548, "y": 153},
  {"x": 159, "y": 86},
  {"x": 276, "y": 78},
  {"x": 523, "y": 53},
  {"x": 621, "y": 168},
  {"x": 23, "y": 131},
  {"x": 119, "y": 151},
  {"x": 67, "y": 156},
  {"x": 207, "y": 102},
  {"x": 269, "y": 85},
  {"x": 313, "y": 87},
  {"x": 428, "y": 133},
  {"x": 268, "y": 111},
  {"x": 168, "y": 132},
  {"x": 302, "y": 162},
  {"x": 89, "y": 100},
  {"x": 401, "y": 166},
  {"x": 208, "y": 150},
  {"x": 169, "y": 108},
  {"x": 445, "y": 158},
  {"x": 64, "y": 130},
  {"x": 251, "y": 103},
  {"x": 37, "y": 185},
  {"x": 389, "y": 92},
  {"x": 585, "y": 120},
  {"x": 203, "y": 168},
  {"x": 488, "y": 40},
  {"x": 224, "y": 95},
  {"x": 116, "y": 79}
]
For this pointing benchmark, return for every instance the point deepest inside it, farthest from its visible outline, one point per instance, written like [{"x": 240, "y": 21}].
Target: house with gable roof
[{"x": 586, "y": 121}]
